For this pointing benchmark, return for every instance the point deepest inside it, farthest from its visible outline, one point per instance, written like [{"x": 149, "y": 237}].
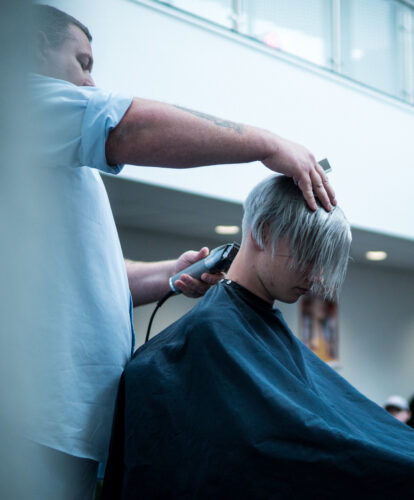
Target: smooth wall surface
[
  {"x": 367, "y": 138},
  {"x": 377, "y": 331}
]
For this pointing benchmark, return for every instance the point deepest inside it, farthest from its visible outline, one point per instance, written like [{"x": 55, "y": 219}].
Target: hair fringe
[{"x": 319, "y": 241}]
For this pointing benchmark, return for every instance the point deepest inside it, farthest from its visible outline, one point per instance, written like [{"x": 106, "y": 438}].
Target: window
[
  {"x": 218, "y": 11},
  {"x": 372, "y": 43},
  {"x": 301, "y": 28}
]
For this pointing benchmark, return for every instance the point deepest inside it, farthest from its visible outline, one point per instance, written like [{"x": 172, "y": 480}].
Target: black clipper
[{"x": 218, "y": 260}]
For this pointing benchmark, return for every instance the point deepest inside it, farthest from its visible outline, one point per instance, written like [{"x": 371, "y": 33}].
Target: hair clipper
[{"x": 218, "y": 260}]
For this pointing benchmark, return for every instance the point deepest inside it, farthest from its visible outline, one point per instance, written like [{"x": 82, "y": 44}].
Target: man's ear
[
  {"x": 42, "y": 47},
  {"x": 265, "y": 234},
  {"x": 254, "y": 243},
  {"x": 265, "y": 237}
]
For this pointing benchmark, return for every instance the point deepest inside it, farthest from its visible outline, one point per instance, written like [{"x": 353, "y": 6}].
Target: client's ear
[
  {"x": 266, "y": 236},
  {"x": 255, "y": 244}
]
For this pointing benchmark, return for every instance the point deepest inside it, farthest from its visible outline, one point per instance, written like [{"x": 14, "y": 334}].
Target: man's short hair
[
  {"x": 55, "y": 23},
  {"x": 319, "y": 241}
]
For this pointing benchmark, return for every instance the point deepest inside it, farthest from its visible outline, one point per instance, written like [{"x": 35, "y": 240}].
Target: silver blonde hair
[{"x": 319, "y": 241}]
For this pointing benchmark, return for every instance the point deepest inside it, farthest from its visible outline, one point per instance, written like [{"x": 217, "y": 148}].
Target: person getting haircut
[
  {"x": 228, "y": 403},
  {"x": 318, "y": 241}
]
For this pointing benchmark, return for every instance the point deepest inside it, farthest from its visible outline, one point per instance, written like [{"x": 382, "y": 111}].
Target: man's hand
[
  {"x": 296, "y": 161},
  {"x": 149, "y": 281},
  {"x": 188, "y": 285}
]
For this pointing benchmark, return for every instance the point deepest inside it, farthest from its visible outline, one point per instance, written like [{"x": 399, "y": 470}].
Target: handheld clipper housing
[{"x": 218, "y": 260}]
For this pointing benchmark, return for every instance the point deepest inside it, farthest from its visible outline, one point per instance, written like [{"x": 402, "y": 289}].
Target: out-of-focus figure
[{"x": 398, "y": 407}]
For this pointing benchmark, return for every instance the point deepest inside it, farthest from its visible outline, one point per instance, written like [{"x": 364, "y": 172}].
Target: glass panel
[
  {"x": 218, "y": 11},
  {"x": 372, "y": 43},
  {"x": 409, "y": 65},
  {"x": 302, "y": 28}
]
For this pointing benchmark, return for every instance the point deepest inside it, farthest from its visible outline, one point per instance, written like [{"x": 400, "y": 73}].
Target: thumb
[{"x": 190, "y": 257}]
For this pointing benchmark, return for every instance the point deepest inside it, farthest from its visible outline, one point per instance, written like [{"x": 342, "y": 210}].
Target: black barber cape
[{"x": 228, "y": 403}]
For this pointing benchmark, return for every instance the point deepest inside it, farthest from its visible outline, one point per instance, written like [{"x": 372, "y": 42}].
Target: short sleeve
[
  {"x": 73, "y": 123},
  {"x": 103, "y": 113}
]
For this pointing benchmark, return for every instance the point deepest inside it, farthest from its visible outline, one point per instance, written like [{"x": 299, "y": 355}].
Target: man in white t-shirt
[{"x": 86, "y": 328}]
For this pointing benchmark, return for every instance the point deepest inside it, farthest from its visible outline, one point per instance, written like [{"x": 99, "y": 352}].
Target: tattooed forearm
[{"x": 217, "y": 121}]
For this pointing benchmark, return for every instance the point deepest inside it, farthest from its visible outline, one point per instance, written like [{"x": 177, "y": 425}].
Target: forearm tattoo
[{"x": 217, "y": 121}]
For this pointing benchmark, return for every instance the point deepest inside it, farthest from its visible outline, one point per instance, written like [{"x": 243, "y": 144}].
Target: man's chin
[
  {"x": 295, "y": 295},
  {"x": 289, "y": 300}
]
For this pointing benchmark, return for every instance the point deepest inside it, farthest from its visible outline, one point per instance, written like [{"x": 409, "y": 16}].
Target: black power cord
[
  {"x": 159, "y": 304},
  {"x": 218, "y": 260}
]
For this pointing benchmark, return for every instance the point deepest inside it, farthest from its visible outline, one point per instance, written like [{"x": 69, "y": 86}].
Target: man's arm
[
  {"x": 148, "y": 281},
  {"x": 152, "y": 133}
]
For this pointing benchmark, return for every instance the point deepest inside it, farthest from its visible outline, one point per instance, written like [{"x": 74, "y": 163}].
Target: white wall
[
  {"x": 368, "y": 139},
  {"x": 376, "y": 317},
  {"x": 377, "y": 331}
]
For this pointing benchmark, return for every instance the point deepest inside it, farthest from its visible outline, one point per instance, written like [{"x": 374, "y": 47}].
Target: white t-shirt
[{"x": 82, "y": 334}]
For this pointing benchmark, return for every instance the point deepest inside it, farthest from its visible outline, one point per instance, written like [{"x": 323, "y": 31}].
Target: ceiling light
[
  {"x": 376, "y": 255},
  {"x": 227, "y": 229}
]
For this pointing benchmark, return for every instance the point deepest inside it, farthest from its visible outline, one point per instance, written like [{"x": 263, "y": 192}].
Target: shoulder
[
  {"x": 58, "y": 100},
  {"x": 75, "y": 121},
  {"x": 45, "y": 86},
  {"x": 63, "y": 93}
]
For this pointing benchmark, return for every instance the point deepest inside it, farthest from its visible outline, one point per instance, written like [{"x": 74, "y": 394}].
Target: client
[{"x": 228, "y": 403}]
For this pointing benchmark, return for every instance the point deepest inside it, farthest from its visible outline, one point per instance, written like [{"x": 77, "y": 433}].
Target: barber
[{"x": 87, "y": 326}]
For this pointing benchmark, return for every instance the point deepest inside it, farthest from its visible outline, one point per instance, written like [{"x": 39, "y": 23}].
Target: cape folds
[{"x": 228, "y": 403}]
